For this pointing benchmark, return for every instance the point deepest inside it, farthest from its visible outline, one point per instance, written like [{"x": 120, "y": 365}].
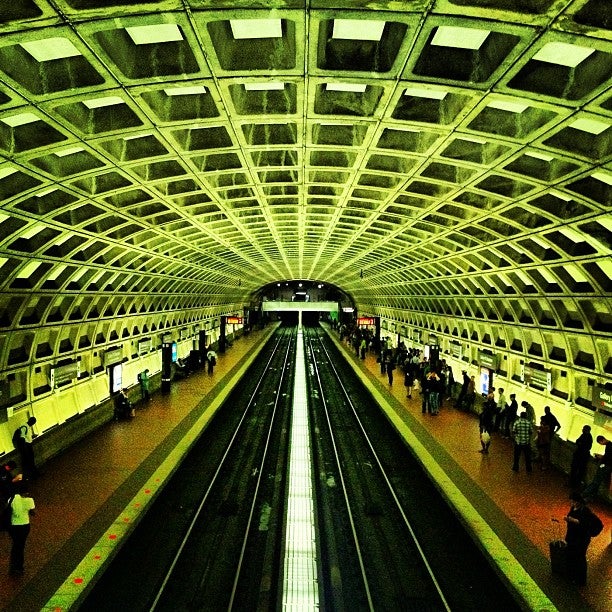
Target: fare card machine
[{"x": 168, "y": 352}]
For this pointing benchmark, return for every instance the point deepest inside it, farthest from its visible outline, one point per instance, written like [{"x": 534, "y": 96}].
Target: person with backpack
[
  {"x": 582, "y": 525},
  {"x": 22, "y": 440}
]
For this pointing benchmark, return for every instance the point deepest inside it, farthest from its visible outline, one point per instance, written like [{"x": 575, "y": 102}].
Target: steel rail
[
  {"x": 213, "y": 481},
  {"x": 262, "y": 462},
  {"x": 387, "y": 481},
  {"x": 341, "y": 476}
]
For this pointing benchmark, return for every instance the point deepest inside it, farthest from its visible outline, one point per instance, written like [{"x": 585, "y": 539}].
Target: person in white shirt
[{"x": 22, "y": 506}]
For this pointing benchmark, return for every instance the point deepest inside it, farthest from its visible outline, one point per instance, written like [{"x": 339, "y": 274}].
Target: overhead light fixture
[
  {"x": 459, "y": 38},
  {"x": 560, "y": 195},
  {"x": 269, "y": 86},
  {"x": 45, "y": 192},
  {"x": 20, "y": 119},
  {"x": 70, "y": 151},
  {"x": 28, "y": 269},
  {"x": 420, "y": 92},
  {"x": 153, "y": 34},
  {"x": 575, "y": 272},
  {"x": 572, "y": 234},
  {"x": 192, "y": 90},
  {"x": 136, "y": 136},
  {"x": 101, "y": 102},
  {"x": 49, "y": 49},
  {"x": 563, "y": 54},
  {"x": 256, "y": 28},
  {"x": 475, "y": 139},
  {"x": 7, "y": 171},
  {"x": 604, "y": 177},
  {"x": 354, "y": 87},
  {"x": 358, "y": 29},
  {"x": 538, "y": 155},
  {"x": 506, "y": 105},
  {"x": 592, "y": 126}
]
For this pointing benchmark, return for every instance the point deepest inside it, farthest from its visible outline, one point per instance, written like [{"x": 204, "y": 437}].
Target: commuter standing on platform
[
  {"x": 143, "y": 379},
  {"x": 464, "y": 389},
  {"x": 22, "y": 506},
  {"x": 487, "y": 416},
  {"x": 211, "y": 357},
  {"x": 501, "y": 410},
  {"x": 470, "y": 396},
  {"x": 390, "y": 366},
  {"x": 522, "y": 432},
  {"x": 26, "y": 450},
  {"x": 603, "y": 471},
  {"x": 408, "y": 376},
  {"x": 580, "y": 458},
  {"x": 578, "y": 538},
  {"x": 511, "y": 415},
  {"x": 551, "y": 421},
  {"x": 543, "y": 443}
]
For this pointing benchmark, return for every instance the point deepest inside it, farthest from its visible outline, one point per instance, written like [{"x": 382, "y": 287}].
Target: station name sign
[
  {"x": 234, "y": 320},
  {"x": 365, "y": 321},
  {"x": 602, "y": 399}
]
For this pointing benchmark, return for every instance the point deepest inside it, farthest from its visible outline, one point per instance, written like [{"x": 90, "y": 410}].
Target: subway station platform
[{"x": 89, "y": 497}]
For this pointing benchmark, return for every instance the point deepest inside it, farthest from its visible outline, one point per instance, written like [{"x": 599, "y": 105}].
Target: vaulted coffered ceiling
[{"x": 439, "y": 160}]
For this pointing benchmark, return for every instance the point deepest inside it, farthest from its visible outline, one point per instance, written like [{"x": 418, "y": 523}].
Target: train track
[
  {"x": 216, "y": 536},
  {"x": 389, "y": 569}
]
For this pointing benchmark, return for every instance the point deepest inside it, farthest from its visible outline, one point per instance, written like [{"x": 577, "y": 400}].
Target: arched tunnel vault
[{"x": 447, "y": 163}]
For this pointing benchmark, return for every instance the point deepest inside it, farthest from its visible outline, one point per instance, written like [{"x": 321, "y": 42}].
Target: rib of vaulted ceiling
[{"x": 447, "y": 163}]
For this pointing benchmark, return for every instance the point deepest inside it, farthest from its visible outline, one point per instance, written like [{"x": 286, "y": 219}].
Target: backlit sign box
[
  {"x": 602, "y": 399},
  {"x": 144, "y": 345},
  {"x": 486, "y": 360},
  {"x": 365, "y": 321},
  {"x": 234, "y": 320}
]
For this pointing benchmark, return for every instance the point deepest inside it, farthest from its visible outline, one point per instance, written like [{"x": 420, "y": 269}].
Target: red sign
[
  {"x": 234, "y": 320},
  {"x": 365, "y": 320}
]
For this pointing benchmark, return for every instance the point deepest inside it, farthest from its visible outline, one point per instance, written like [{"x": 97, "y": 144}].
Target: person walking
[
  {"x": 26, "y": 450},
  {"x": 580, "y": 457},
  {"x": 22, "y": 508},
  {"x": 603, "y": 471},
  {"x": 522, "y": 432}
]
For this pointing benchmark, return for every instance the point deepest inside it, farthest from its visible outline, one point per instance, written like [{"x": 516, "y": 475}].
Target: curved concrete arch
[{"x": 447, "y": 165}]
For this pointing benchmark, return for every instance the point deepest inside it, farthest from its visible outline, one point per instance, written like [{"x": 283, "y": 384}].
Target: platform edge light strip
[{"x": 300, "y": 586}]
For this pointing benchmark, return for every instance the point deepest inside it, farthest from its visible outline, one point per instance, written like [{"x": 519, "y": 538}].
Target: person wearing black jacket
[
  {"x": 581, "y": 457},
  {"x": 577, "y": 538}
]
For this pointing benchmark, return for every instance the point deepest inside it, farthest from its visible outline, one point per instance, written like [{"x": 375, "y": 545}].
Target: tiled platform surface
[{"x": 85, "y": 490}]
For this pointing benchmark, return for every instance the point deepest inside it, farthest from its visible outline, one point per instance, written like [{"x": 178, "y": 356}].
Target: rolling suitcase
[{"x": 558, "y": 553}]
